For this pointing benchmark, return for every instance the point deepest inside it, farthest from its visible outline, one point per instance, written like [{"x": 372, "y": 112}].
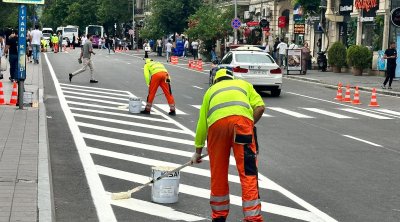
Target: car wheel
[{"x": 276, "y": 92}]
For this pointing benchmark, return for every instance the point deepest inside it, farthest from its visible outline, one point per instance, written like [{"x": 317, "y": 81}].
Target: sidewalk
[{"x": 25, "y": 191}]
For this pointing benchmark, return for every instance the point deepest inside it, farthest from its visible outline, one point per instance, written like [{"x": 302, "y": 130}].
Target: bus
[
  {"x": 97, "y": 31},
  {"x": 68, "y": 32}
]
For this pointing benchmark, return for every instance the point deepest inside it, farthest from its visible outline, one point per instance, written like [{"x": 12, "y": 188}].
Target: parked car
[{"x": 255, "y": 66}]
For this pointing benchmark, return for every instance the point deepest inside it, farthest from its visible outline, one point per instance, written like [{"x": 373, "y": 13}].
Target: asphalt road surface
[{"x": 320, "y": 160}]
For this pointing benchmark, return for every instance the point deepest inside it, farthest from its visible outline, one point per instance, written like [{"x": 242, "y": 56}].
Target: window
[
  {"x": 253, "y": 58},
  {"x": 227, "y": 59}
]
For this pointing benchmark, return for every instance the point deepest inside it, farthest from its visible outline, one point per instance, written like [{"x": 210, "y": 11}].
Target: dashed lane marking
[
  {"x": 289, "y": 112},
  {"x": 359, "y": 112},
  {"x": 324, "y": 112}
]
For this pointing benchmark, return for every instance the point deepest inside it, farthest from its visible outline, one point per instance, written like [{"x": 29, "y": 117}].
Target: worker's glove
[
  {"x": 196, "y": 158},
  {"x": 168, "y": 80}
]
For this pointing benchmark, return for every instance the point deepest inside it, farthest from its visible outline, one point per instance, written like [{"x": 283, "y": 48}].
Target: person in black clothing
[
  {"x": 12, "y": 50},
  {"x": 275, "y": 55},
  {"x": 391, "y": 56}
]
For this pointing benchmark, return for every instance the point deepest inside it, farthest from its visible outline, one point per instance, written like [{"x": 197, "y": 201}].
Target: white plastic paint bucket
[
  {"x": 165, "y": 190},
  {"x": 135, "y": 105}
]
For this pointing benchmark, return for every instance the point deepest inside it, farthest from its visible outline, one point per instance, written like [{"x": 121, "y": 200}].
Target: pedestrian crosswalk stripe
[
  {"x": 152, "y": 162},
  {"x": 157, "y": 210},
  {"x": 364, "y": 113},
  {"x": 130, "y": 123},
  {"x": 94, "y": 88},
  {"x": 95, "y": 100},
  {"x": 85, "y": 95},
  {"x": 197, "y": 106},
  {"x": 205, "y": 193},
  {"x": 95, "y": 91},
  {"x": 134, "y": 133},
  {"x": 94, "y": 105},
  {"x": 266, "y": 115},
  {"x": 115, "y": 113},
  {"x": 165, "y": 108},
  {"x": 324, "y": 112},
  {"x": 290, "y": 113},
  {"x": 390, "y": 112}
]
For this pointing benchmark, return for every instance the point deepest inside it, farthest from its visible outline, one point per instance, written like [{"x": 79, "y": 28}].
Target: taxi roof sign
[{"x": 25, "y": 1}]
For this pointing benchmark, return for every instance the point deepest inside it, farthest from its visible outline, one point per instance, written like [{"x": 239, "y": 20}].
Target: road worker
[
  {"x": 156, "y": 75},
  {"x": 54, "y": 40},
  {"x": 227, "y": 116}
]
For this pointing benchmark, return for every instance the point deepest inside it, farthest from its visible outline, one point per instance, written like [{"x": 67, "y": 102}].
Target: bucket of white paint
[
  {"x": 135, "y": 105},
  {"x": 165, "y": 190}
]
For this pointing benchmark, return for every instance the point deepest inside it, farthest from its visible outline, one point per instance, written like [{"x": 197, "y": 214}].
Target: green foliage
[
  {"x": 352, "y": 32},
  {"x": 359, "y": 56},
  {"x": 9, "y": 15},
  {"x": 337, "y": 55},
  {"x": 309, "y": 6},
  {"x": 378, "y": 33}
]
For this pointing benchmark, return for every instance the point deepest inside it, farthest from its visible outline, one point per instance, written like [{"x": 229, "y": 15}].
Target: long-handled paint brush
[{"x": 127, "y": 194}]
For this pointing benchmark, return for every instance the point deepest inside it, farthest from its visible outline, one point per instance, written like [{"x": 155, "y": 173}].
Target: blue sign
[
  {"x": 381, "y": 66},
  {"x": 236, "y": 23},
  {"x": 398, "y": 58},
  {"x": 22, "y": 42}
]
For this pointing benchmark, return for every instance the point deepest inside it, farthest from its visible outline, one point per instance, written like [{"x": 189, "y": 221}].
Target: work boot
[
  {"x": 172, "y": 113},
  {"x": 219, "y": 219},
  {"x": 145, "y": 111},
  {"x": 70, "y": 77}
]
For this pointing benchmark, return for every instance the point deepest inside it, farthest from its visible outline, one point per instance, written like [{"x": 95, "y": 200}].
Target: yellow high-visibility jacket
[{"x": 151, "y": 69}]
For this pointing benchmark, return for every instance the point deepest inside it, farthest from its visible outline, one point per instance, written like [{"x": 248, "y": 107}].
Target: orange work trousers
[
  {"x": 160, "y": 80},
  {"x": 55, "y": 45},
  {"x": 234, "y": 132}
]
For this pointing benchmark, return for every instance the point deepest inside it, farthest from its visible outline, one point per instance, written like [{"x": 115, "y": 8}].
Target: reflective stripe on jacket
[
  {"x": 151, "y": 69},
  {"x": 223, "y": 99}
]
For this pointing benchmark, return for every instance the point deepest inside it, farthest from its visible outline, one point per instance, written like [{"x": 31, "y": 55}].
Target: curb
[{"x": 327, "y": 85}]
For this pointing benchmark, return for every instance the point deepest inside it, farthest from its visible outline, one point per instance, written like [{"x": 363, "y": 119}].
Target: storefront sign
[
  {"x": 381, "y": 63},
  {"x": 282, "y": 21},
  {"x": 345, "y": 9},
  {"x": 299, "y": 28},
  {"x": 367, "y": 19},
  {"x": 22, "y": 12},
  {"x": 294, "y": 60},
  {"x": 398, "y": 59},
  {"x": 252, "y": 24},
  {"x": 365, "y": 4},
  {"x": 395, "y": 16},
  {"x": 25, "y": 1}
]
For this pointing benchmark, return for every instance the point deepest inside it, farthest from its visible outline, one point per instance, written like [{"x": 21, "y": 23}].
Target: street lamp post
[
  {"x": 234, "y": 30},
  {"x": 133, "y": 23}
]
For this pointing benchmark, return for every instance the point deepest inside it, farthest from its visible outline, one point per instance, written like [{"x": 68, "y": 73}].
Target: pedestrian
[
  {"x": 185, "y": 47},
  {"x": 195, "y": 47},
  {"x": 55, "y": 40},
  {"x": 60, "y": 41},
  {"x": 391, "y": 57},
  {"x": 305, "y": 57},
  {"x": 156, "y": 75},
  {"x": 159, "y": 47},
  {"x": 282, "y": 48},
  {"x": 12, "y": 50},
  {"x": 293, "y": 45},
  {"x": 35, "y": 37},
  {"x": 168, "y": 49},
  {"x": 267, "y": 48},
  {"x": 276, "y": 52},
  {"x": 86, "y": 56},
  {"x": 231, "y": 107},
  {"x": 28, "y": 50},
  {"x": 109, "y": 43},
  {"x": 73, "y": 40},
  {"x": 2, "y": 46},
  {"x": 146, "y": 47},
  {"x": 214, "y": 58}
]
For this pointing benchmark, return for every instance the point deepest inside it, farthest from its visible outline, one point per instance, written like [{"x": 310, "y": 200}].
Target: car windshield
[
  {"x": 253, "y": 58},
  {"x": 46, "y": 34}
]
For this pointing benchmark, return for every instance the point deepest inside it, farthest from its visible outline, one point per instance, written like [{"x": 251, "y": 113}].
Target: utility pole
[
  {"x": 133, "y": 23},
  {"x": 234, "y": 30}
]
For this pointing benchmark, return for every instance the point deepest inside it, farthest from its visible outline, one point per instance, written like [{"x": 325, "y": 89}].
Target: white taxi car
[{"x": 255, "y": 66}]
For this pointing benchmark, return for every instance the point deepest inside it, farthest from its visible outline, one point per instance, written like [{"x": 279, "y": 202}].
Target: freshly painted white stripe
[
  {"x": 97, "y": 106},
  {"x": 288, "y": 112},
  {"x": 114, "y": 113},
  {"x": 135, "y": 133},
  {"x": 85, "y": 95},
  {"x": 95, "y": 88},
  {"x": 95, "y": 91},
  {"x": 324, "y": 112},
  {"x": 365, "y": 114},
  {"x": 197, "y": 106},
  {"x": 266, "y": 115},
  {"x": 101, "y": 202},
  {"x": 205, "y": 193},
  {"x": 390, "y": 112},
  {"x": 152, "y": 162},
  {"x": 361, "y": 140},
  {"x": 197, "y": 87},
  {"x": 165, "y": 108},
  {"x": 130, "y": 123},
  {"x": 156, "y": 210},
  {"x": 95, "y": 100}
]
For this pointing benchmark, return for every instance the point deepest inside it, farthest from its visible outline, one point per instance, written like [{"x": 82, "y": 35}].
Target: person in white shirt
[
  {"x": 195, "y": 47},
  {"x": 168, "y": 48},
  {"x": 159, "y": 47},
  {"x": 282, "y": 47},
  {"x": 267, "y": 48},
  {"x": 185, "y": 48},
  {"x": 35, "y": 37},
  {"x": 293, "y": 45}
]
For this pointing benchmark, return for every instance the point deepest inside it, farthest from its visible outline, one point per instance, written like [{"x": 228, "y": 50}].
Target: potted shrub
[
  {"x": 359, "y": 57},
  {"x": 337, "y": 56}
]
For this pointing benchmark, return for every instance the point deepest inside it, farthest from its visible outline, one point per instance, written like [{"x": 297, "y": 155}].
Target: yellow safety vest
[
  {"x": 151, "y": 69},
  {"x": 226, "y": 98}
]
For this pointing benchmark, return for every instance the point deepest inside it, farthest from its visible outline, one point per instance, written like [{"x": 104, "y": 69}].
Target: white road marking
[
  {"x": 197, "y": 87},
  {"x": 165, "y": 108},
  {"x": 155, "y": 210},
  {"x": 135, "y": 133},
  {"x": 365, "y": 113},
  {"x": 390, "y": 112},
  {"x": 324, "y": 112},
  {"x": 290, "y": 113},
  {"x": 152, "y": 162},
  {"x": 197, "y": 106},
  {"x": 266, "y": 115},
  {"x": 205, "y": 193},
  {"x": 361, "y": 140},
  {"x": 96, "y": 88},
  {"x": 103, "y": 208},
  {"x": 95, "y": 96},
  {"x": 95, "y": 91},
  {"x": 167, "y": 129},
  {"x": 117, "y": 114},
  {"x": 95, "y": 100}
]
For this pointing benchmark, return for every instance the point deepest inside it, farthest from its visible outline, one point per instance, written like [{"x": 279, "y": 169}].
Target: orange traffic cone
[
  {"x": 199, "y": 66},
  {"x": 194, "y": 64},
  {"x": 356, "y": 99},
  {"x": 2, "y": 102},
  {"x": 339, "y": 95},
  {"x": 14, "y": 95},
  {"x": 174, "y": 60},
  {"x": 347, "y": 97},
  {"x": 190, "y": 63},
  {"x": 373, "y": 102}
]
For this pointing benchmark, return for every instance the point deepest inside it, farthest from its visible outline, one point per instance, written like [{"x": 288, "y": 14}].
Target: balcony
[{"x": 231, "y": 2}]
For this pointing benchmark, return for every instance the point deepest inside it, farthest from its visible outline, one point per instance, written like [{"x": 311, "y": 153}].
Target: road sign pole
[
  {"x": 22, "y": 13},
  {"x": 234, "y": 30}
]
